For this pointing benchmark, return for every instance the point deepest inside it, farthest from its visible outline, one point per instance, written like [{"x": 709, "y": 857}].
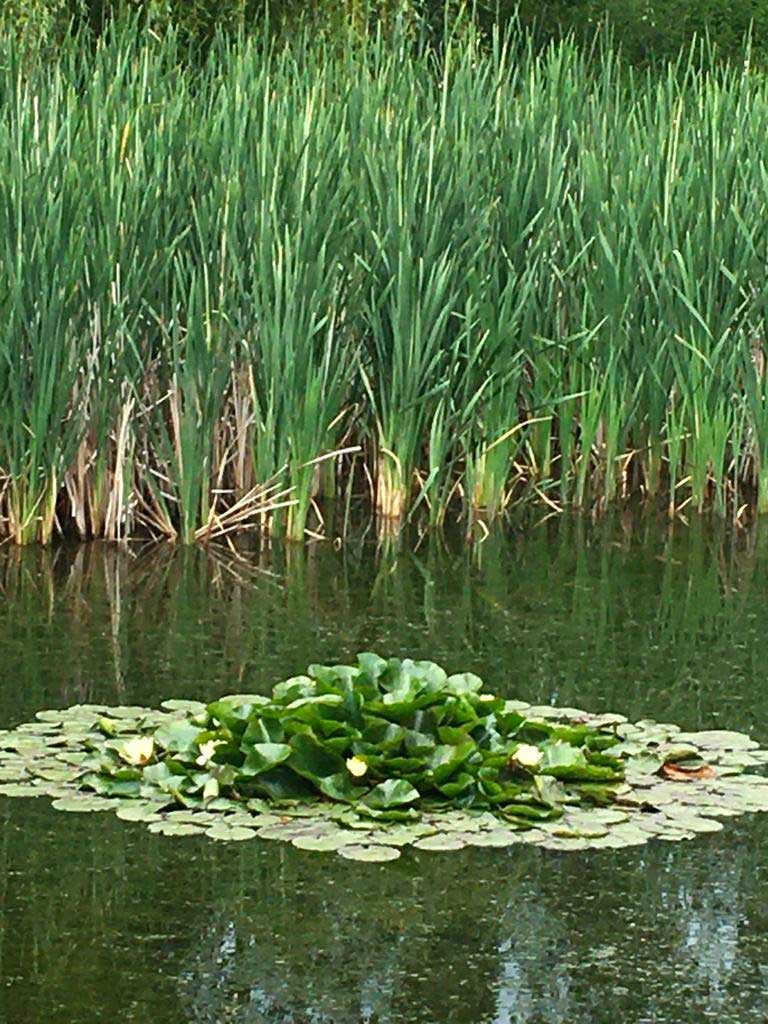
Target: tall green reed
[{"x": 506, "y": 276}]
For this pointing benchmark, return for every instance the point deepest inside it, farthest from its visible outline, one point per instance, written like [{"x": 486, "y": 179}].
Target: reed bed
[{"x": 454, "y": 283}]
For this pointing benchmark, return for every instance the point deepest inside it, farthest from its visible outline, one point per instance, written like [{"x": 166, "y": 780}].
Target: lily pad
[
  {"x": 371, "y": 854},
  {"x": 138, "y": 812},
  {"x": 566, "y": 844},
  {"x": 329, "y": 843},
  {"x": 692, "y": 822},
  {"x": 83, "y": 804},
  {"x": 230, "y": 833},
  {"x": 59, "y": 774},
  {"x": 175, "y": 828},
  {"x": 440, "y": 843},
  {"x": 496, "y": 838},
  {"x": 19, "y": 789},
  {"x": 50, "y": 716},
  {"x": 194, "y": 707}
]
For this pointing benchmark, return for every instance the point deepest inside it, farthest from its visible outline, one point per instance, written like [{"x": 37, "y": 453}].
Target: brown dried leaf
[{"x": 680, "y": 773}]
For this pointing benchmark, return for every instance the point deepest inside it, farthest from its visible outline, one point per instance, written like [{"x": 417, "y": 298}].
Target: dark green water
[{"x": 103, "y": 922}]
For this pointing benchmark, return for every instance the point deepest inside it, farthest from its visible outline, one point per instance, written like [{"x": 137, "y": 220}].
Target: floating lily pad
[
  {"x": 19, "y": 789},
  {"x": 567, "y": 845},
  {"x": 222, "y": 804},
  {"x": 655, "y": 824},
  {"x": 371, "y": 854},
  {"x": 83, "y": 804},
  {"x": 175, "y": 828},
  {"x": 440, "y": 843},
  {"x": 497, "y": 838},
  {"x": 259, "y": 820},
  {"x": 277, "y": 832},
  {"x": 597, "y": 816},
  {"x": 564, "y": 832},
  {"x": 127, "y": 711},
  {"x": 50, "y": 716},
  {"x": 138, "y": 812},
  {"x": 27, "y": 745},
  {"x": 400, "y": 835},
  {"x": 194, "y": 707},
  {"x": 229, "y": 833},
  {"x": 608, "y": 720},
  {"x": 58, "y": 774},
  {"x": 693, "y": 822},
  {"x": 40, "y": 729},
  {"x": 718, "y": 739},
  {"x": 332, "y": 842}
]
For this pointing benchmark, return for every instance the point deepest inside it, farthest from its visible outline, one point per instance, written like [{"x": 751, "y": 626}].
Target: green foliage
[
  {"x": 363, "y": 759},
  {"x": 45, "y": 23},
  {"x": 655, "y": 30},
  {"x": 219, "y": 282},
  {"x": 646, "y": 30}
]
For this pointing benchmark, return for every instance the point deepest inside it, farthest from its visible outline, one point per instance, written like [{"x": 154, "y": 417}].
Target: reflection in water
[
  {"x": 568, "y": 615},
  {"x": 102, "y": 921},
  {"x": 518, "y": 938}
]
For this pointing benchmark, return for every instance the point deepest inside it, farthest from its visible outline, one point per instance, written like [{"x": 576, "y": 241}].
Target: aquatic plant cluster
[
  {"x": 452, "y": 282},
  {"x": 366, "y": 759}
]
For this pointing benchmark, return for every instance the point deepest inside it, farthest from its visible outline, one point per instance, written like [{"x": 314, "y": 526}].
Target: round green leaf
[
  {"x": 493, "y": 838},
  {"x": 138, "y": 812},
  {"x": 371, "y": 854},
  {"x": 83, "y": 804},
  {"x": 229, "y": 834},
  {"x": 440, "y": 843},
  {"x": 174, "y": 828}
]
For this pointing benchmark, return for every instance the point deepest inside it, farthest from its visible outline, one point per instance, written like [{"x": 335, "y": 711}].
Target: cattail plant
[{"x": 496, "y": 275}]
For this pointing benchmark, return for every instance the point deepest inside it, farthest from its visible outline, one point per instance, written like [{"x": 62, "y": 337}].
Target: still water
[{"x": 100, "y": 921}]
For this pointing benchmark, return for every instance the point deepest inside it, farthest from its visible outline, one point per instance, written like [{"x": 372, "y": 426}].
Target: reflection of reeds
[
  {"x": 630, "y": 616},
  {"x": 501, "y": 277}
]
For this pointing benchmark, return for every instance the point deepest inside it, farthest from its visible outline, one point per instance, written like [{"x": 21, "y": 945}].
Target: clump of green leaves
[
  {"x": 365, "y": 759},
  {"x": 388, "y": 738}
]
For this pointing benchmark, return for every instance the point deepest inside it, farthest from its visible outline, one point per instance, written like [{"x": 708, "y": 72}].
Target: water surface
[{"x": 102, "y": 921}]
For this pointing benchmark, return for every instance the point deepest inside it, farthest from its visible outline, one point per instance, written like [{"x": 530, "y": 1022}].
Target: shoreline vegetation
[{"x": 454, "y": 282}]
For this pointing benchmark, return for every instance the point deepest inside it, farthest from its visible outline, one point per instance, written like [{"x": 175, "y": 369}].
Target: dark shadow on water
[{"x": 102, "y": 921}]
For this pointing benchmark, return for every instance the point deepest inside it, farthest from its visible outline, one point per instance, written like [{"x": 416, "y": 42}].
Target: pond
[{"x": 103, "y": 921}]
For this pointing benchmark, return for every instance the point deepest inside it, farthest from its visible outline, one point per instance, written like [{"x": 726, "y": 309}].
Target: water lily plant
[
  {"x": 385, "y": 737},
  {"x": 365, "y": 759}
]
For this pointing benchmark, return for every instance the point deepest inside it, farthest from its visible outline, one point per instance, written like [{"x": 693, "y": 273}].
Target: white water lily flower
[
  {"x": 138, "y": 750},
  {"x": 527, "y": 755},
  {"x": 207, "y": 750},
  {"x": 486, "y": 696},
  {"x": 356, "y": 766}
]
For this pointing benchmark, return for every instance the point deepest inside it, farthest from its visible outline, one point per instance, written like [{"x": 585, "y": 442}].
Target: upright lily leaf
[
  {"x": 294, "y": 689},
  {"x": 446, "y": 759},
  {"x": 177, "y": 737},
  {"x": 312, "y": 760},
  {"x": 464, "y": 683},
  {"x": 392, "y": 793},
  {"x": 232, "y": 714},
  {"x": 263, "y": 756}
]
